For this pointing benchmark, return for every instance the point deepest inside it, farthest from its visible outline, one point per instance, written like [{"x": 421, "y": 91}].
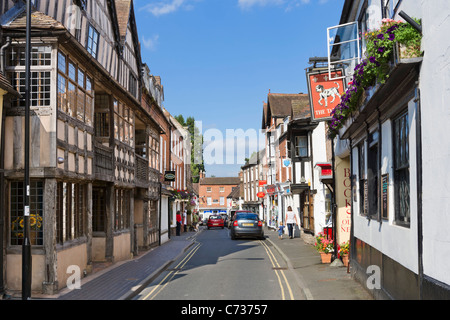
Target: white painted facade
[
  {"x": 423, "y": 245},
  {"x": 434, "y": 95}
]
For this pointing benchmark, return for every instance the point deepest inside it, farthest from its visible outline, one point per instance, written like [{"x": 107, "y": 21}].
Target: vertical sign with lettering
[{"x": 385, "y": 196}]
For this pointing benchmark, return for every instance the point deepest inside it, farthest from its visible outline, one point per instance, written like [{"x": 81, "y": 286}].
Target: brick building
[{"x": 213, "y": 194}]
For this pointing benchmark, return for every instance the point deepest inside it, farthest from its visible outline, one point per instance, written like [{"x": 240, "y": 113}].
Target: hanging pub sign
[
  {"x": 260, "y": 194},
  {"x": 324, "y": 95},
  {"x": 169, "y": 176}
]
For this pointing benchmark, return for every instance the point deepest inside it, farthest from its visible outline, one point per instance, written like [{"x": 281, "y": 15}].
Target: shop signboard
[
  {"x": 324, "y": 95},
  {"x": 169, "y": 176}
]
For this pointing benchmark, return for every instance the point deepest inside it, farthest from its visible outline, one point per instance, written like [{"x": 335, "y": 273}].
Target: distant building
[
  {"x": 213, "y": 194},
  {"x": 252, "y": 175}
]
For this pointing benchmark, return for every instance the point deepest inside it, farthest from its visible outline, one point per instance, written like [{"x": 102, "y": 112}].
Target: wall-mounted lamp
[{"x": 60, "y": 160}]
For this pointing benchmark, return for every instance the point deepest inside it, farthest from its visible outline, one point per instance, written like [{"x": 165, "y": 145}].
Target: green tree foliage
[{"x": 197, "y": 164}]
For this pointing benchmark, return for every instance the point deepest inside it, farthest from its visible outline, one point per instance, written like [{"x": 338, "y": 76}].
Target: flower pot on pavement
[
  {"x": 345, "y": 260},
  {"x": 326, "y": 257}
]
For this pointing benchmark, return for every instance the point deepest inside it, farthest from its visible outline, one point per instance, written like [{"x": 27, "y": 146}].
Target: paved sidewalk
[
  {"x": 122, "y": 280},
  {"x": 319, "y": 281}
]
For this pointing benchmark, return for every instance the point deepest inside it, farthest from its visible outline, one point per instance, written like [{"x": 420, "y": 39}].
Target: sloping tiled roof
[
  {"x": 236, "y": 193},
  {"x": 38, "y": 21},
  {"x": 301, "y": 108},
  {"x": 264, "y": 117},
  {"x": 280, "y": 104},
  {"x": 123, "y": 8},
  {"x": 220, "y": 181},
  {"x": 5, "y": 85}
]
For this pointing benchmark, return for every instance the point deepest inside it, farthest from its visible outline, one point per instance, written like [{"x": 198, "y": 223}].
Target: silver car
[{"x": 246, "y": 224}]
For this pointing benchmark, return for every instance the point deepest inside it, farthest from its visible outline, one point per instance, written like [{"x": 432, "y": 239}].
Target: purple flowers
[{"x": 366, "y": 73}]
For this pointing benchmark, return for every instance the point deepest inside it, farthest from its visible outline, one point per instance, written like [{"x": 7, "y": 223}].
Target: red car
[{"x": 215, "y": 221}]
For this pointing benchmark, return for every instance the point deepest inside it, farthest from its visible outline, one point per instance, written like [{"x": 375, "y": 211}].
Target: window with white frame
[
  {"x": 222, "y": 201},
  {"x": 208, "y": 201},
  {"x": 343, "y": 47},
  {"x": 301, "y": 146},
  {"x": 40, "y": 78}
]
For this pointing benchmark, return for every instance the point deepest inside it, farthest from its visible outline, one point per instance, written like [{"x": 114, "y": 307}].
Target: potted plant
[
  {"x": 344, "y": 251},
  {"x": 325, "y": 247}
]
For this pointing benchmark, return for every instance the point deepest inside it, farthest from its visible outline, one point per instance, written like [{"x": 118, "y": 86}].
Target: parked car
[
  {"x": 246, "y": 224},
  {"x": 215, "y": 221}
]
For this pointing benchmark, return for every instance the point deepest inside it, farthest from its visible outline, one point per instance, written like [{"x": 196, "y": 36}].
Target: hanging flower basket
[{"x": 392, "y": 39}]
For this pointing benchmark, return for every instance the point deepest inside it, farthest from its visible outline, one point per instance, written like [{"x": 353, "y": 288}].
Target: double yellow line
[
  {"x": 276, "y": 266},
  {"x": 172, "y": 274}
]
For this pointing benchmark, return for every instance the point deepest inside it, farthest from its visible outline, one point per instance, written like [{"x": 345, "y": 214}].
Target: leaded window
[
  {"x": 92, "y": 41},
  {"x": 75, "y": 90},
  {"x": 362, "y": 179},
  {"x": 122, "y": 209},
  {"x": 70, "y": 211},
  {"x": 123, "y": 123},
  {"x": 102, "y": 121},
  {"x": 401, "y": 169},
  {"x": 36, "y": 212},
  {"x": 372, "y": 174}
]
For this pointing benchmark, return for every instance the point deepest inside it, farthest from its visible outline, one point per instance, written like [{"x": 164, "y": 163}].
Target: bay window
[
  {"x": 40, "y": 75},
  {"x": 75, "y": 94}
]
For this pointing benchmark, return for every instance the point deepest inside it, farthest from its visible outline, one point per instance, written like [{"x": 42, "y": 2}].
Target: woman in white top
[{"x": 291, "y": 218}]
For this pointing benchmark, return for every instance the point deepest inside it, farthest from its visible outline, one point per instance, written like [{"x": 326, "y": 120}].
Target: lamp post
[{"x": 26, "y": 246}]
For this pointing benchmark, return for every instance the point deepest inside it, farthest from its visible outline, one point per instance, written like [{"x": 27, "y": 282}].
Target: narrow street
[{"x": 218, "y": 268}]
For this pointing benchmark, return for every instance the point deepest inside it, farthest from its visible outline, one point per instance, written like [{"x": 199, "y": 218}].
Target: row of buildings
[
  {"x": 373, "y": 170},
  {"x": 109, "y": 165}
]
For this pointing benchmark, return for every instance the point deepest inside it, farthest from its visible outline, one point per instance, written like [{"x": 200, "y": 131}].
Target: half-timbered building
[{"x": 94, "y": 154}]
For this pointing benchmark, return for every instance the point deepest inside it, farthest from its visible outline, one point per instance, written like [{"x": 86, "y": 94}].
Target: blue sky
[{"x": 218, "y": 58}]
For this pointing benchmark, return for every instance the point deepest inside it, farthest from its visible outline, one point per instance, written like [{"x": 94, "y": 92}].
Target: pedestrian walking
[
  {"x": 291, "y": 218},
  {"x": 178, "y": 223},
  {"x": 195, "y": 221},
  {"x": 185, "y": 220},
  {"x": 280, "y": 230}
]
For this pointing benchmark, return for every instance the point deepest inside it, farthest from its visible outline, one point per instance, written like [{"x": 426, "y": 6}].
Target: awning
[{"x": 299, "y": 188}]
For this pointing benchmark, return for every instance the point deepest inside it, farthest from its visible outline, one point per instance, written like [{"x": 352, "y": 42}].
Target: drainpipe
[
  {"x": 419, "y": 189},
  {"x": 2, "y": 54}
]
